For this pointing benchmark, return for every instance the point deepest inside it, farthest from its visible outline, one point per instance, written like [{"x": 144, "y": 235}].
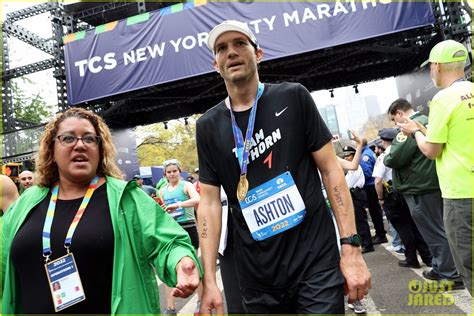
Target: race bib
[
  {"x": 178, "y": 214},
  {"x": 64, "y": 282},
  {"x": 273, "y": 207}
]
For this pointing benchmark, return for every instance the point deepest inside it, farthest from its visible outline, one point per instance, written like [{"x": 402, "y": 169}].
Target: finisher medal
[
  {"x": 244, "y": 145},
  {"x": 242, "y": 188}
]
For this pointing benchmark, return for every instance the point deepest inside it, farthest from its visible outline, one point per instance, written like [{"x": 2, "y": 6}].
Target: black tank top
[{"x": 92, "y": 246}]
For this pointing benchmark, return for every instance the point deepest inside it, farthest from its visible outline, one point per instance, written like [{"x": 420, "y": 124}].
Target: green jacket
[
  {"x": 146, "y": 239},
  {"x": 412, "y": 172}
]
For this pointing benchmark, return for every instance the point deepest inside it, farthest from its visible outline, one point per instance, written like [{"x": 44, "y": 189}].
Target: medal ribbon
[
  {"x": 48, "y": 222},
  {"x": 238, "y": 136}
]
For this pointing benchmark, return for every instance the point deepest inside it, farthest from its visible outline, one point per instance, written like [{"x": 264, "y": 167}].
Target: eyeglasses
[
  {"x": 68, "y": 140},
  {"x": 166, "y": 163}
]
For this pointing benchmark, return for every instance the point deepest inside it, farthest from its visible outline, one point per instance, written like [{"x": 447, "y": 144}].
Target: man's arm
[
  {"x": 210, "y": 222},
  {"x": 352, "y": 264},
  {"x": 430, "y": 150},
  {"x": 336, "y": 187},
  {"x": 379, "y": 189},
  {"x": 377, "y": 174},
  {"x": 9, "y": 193},
  {"x": 354, "y": 164}
]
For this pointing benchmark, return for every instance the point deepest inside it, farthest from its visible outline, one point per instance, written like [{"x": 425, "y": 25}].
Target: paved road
[{"x": 390, "y": 293}]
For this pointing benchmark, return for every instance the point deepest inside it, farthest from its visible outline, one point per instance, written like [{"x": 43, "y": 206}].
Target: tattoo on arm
[
  {"x": 337, "y": 195},
  {"x": 204, "y": 228}
]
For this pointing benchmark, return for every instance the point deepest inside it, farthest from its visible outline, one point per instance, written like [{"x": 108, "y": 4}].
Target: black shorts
[
  {"x": 322, "y": 293},
  {"x": 193, "y": 234}
]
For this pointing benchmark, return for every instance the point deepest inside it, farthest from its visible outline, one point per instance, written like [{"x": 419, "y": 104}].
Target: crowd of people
[{"x": 289, "y": 226}]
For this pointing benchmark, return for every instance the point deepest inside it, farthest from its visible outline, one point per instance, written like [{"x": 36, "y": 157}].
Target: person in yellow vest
[{"x": 450, "y": 140}]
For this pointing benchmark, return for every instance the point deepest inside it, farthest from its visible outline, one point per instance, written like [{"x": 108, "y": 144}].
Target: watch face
[{"x": 356, "y": 239}]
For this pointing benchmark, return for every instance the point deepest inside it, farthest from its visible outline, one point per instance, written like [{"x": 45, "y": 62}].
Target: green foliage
[
  {"x": 160, "y": 144},
  {"x": 374, "y": 124},
  {"x": 33, "y": 109}
]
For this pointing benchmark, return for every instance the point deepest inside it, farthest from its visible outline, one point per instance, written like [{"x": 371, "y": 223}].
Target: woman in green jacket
[{"x": 99, "y": 240}]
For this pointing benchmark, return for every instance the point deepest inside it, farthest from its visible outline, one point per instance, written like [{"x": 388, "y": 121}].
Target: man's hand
[
  {"x": 408, "y": 126},
  {"x": 421, "y": 127},
  {"x": 187, "y": 276},
  {"x": 211, "y": 300},
  {"x": 354, "y": 269},
  {"x": 357, "y": 140},
  {"x": 381, "y": 203}
]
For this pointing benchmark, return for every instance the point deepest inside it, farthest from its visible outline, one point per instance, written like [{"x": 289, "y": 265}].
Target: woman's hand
[
  {"x": 172, "y": 207},
  {"x": 187, "y": 278}
]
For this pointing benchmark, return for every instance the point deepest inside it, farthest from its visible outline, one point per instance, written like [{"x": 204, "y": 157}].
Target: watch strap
[{"x": 353, "y": 240}]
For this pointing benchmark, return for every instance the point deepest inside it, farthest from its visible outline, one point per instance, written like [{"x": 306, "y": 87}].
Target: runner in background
[{"x": 180, "y": 198}]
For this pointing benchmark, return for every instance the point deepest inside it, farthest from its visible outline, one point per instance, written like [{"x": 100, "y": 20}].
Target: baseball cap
[
  {"x": 196, "y": 170},
  {"x": 348, "y": 150},
  {"x": 447, "y": 52},
  {"x": 388, "y": 133},
  {"x": 137, "y": 176},
  {"x": 229, "y": 26},
  {"x": 378, "y": 143}
]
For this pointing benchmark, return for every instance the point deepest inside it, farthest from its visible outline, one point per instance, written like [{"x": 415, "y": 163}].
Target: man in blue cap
[
  {"x": 367, "y": 162},
  {"x": 450, "y": 140}
]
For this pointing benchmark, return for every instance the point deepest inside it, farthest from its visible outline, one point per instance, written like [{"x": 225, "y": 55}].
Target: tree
[
  {"x": 32, "y": 109},
  {"x": 160, "y": 144},
  {"x": 371, "y": 128}
]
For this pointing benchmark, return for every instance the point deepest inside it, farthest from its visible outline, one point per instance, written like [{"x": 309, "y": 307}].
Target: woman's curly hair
[{"x": 47, "y": 174}]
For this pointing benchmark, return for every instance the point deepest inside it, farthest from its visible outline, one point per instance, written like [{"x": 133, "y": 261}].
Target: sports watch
[{"x": 353, "y": 240}]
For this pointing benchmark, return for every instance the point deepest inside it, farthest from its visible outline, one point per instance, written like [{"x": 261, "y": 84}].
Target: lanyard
[
  {"x": 238, "y": 136},
  {"x": 48, "y": 222}
]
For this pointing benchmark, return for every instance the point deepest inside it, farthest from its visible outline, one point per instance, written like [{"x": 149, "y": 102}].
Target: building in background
[
  {"x": 357, "y": 110},
  {"x": 417, "y": 88},
  {"x": 372, "y": 105},
  {"x": 352, "y": 109},
  {"x": 329, "y": 115}
]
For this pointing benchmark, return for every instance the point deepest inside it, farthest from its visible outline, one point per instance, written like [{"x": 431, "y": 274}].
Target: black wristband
[{"x": 414, "y": 132}]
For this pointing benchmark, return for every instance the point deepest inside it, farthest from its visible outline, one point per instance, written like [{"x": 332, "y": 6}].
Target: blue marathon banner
[{"x": 170, "y": 44}]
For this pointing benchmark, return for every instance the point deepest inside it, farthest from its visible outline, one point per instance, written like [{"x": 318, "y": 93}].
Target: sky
[{"x": 22, "y": 54}]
